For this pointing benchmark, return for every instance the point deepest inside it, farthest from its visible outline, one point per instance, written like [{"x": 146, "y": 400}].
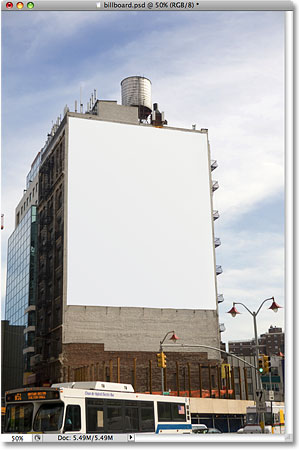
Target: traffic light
[
  {"x": 164, "y": 363},
  {"x": 261, "y": 364},
  {"x": 267, "y": 364},
  {"x": 161, "y": 360},
  {"x": 224, "y": 368}
]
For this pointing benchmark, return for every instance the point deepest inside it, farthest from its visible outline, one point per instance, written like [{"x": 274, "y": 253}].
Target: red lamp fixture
[
  {"x": 274, "y": 306},
  {"x": 174, "y": 338},
  {"x": 233, "y": 311}
]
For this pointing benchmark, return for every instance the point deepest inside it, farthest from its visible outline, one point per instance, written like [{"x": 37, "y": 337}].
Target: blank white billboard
[{"x": 139, "y": 219}]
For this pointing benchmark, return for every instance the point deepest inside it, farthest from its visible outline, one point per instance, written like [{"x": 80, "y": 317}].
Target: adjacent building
[
  {"x": 270, "y": 344},
  {"x": 21, "y": 284},
  {"x": 12, "y": 367}
]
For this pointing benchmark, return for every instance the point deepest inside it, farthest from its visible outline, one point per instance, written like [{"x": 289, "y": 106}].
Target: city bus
[
  {"x": 273, "y": 419},
  {"x": 94, "y": 407}
]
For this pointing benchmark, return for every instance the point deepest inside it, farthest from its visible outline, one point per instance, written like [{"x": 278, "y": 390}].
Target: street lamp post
[
  {"x": 233, "y": 311},
  {"x": 173, "y": 338}
]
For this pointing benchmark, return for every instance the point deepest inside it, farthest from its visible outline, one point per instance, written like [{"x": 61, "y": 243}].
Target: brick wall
[{"x": 91, "y": 362}]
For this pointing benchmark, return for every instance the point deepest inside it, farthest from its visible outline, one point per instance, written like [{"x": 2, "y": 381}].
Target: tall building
[
  {"x": 126, "y": 246},
  {"x": 270, "y": 344},
  {"x": 21, "y": 278},
  {"x": 274, "y": 341}
]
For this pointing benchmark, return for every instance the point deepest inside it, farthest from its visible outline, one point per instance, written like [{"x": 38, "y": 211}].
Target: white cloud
[{"x": 254, "y": 272}]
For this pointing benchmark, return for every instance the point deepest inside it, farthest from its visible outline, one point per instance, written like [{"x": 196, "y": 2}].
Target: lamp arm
[
  {"x": 267, "y": 299},
  {"x": 238, "y": 303},
  {"x": 161, "y": 342}
]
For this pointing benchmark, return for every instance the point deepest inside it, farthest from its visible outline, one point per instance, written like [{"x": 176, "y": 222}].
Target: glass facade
[
  {"x": 21, "y": 276},
  {"x": 34, "y": 170}
]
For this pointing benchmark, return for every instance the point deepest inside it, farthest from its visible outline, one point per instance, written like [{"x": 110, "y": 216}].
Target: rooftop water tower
[{"x": 137, "y": 91}]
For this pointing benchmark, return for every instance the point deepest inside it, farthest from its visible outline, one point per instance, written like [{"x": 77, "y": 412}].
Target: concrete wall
[
  {"x": 135, "y": 329},
  {"x": 109, "y": 110},
  {"x": 216, "y": 406}
]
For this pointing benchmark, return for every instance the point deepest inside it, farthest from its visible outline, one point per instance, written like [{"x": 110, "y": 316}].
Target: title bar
[{"x": 87, "y": 5}]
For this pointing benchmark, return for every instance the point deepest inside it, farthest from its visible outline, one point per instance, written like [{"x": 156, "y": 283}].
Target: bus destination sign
[{"x": 24, "y": 396}]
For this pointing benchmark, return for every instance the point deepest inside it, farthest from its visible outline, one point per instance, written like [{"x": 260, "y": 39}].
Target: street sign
[
  {"x": 271, "y": 395},
  {"x": 259, "y": 395},
  {"x": 260, "y": 401}
]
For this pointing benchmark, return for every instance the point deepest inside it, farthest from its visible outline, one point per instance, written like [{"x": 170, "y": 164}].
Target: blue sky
[{"x": 220, "y": 70}]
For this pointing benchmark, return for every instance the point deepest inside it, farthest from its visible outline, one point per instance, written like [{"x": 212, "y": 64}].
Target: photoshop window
[{"x": 147, "y": 221}]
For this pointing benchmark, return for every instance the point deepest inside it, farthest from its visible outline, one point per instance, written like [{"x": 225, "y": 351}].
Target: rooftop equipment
[
  {"x": 137, "y": 91},
  {"x": 157, "y": 118},
  {"x": 96, "y": 385}
]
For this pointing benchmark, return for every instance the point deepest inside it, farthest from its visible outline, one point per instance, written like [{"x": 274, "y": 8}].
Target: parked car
[{"x": 199, "y": 428}]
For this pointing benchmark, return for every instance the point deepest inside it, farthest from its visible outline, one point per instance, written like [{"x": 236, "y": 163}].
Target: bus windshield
[
  {"x": 49, "y": 417},
  {"x": 19, "y": 417}
]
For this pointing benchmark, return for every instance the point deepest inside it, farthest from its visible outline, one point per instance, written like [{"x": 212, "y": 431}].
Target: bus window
[
  {"x": 164, "y": 412},
  {"x": 171, "y": 412},
  {"x": 95, "y": 419},
  {"x": 147, "y": 418},
  {"x": 114, "y": 417},
  {"x": 72, "y": 418},
  {"x": 131, "y": 419},
  {"x": 49, "y": 417},
  {"x": 178, "y": 412},
  {"x": 19, "y": 418}
]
